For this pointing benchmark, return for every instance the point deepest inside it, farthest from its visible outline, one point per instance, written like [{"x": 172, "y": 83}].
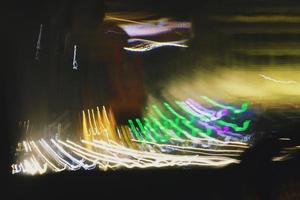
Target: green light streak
[
  {"x": 165, "y": 128},
  {"x": 235, "y": 127},
  {"x": 144, "y": 132},
  {"x": 157, "y": 136},
  {"x": 136, "y": 133},
  {"x": 187, "y": 123},
  {"x": 243, "y": 108},
  {"x": 178, "y": 130},
  {"x": 186, "y": 109},
  {"x": 162, "y": 128}
]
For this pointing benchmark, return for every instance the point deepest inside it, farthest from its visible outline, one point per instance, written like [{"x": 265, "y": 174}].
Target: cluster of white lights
[{"x": 58, "y": 155}]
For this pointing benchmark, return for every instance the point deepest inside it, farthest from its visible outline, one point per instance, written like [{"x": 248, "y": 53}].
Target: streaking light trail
[
  {"x": 38, "y": 44},
  {"x": 147, "y": 45},
  {"x": 279, "y": 81},
  {"x": 75, "y": 64},
  {"x": 233, "y": 109},
  {"x": 136, "y": 28},
  {"x": 166, "y": 137}
]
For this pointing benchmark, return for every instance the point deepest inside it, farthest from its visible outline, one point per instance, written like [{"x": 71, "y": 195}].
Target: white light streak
[
  {"x": 38, "y": 44},
  {"x": 58, "y": 158},
  {"x": 147, "y": 45},
  {"x": 285, "y": 139},
  {"x": 75, "y": 64},
  {"x": 280, "y": 81},
  {"x": 55, "y": 168},
  {"x": 81, "y": 162}
]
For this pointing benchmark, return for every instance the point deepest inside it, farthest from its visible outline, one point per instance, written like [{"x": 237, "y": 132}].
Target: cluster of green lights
[{"x": 165, "y": 124}]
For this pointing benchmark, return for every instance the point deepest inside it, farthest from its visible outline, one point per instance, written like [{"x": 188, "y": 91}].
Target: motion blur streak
[
  {"x": 239, "y": 85},
  {"x": 165, "y": 140},
  {"x": 145, "y": 27},
  {"x": 55, "y": 168},
  {"x": 279, "y": 81},
  {"x": 259, "y": 18},
  {"x": 147, "y": 45}
]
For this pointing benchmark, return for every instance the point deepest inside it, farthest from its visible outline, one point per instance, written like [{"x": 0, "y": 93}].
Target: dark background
[{"x": 255, "y": 178}]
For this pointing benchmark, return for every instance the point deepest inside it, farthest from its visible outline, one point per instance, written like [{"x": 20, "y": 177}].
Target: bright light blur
[
  {"x": 276, "y": 86},
  {"x": 108, "y": 146}
]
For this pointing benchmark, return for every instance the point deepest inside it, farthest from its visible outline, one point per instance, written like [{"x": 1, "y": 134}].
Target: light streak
[
  {"x": 177, "y": 128},
  {"x": 136, "y": 133},
  {"x": 158, "y": 22},
  {"x": 164, "y": 157},
  {"x": 187, "y": 123},
  {"x": 75, "y": 64},
  {"x": 127, "y": 137},
  {"x": 198, "y": 114},
  {"x": 124, "y": 20},
  {"x": 114, "y": 155},
  {"x": 38, "y": 44},
  {"x": 80, "y": 150},
  {"x": 243, "y": 108},
  {"x": 147, "y": 45},
  {"x": 174, "y": 137},
  {"x": 154, "y": 27},
  {"x": 281, "y": 158},
  {"x": 168, "y": 122},
  {"x": 214, "y": 115},
  {"x": 16, "y": 169},
  {"x": 22, "y": 167},
  {"x": 235, "y": 127},
  {"x": 167, "y": 131},
  {"x": 220, "y": 143},
  {"x": 279, "y": 81},
  {"x": 199, "y": 107},
  {"x": 287, "y": 153},
  {"x": 55, "y": 168},
  {"x": 148, "y": 136},
  {"x": 29, "y": 168},
  {"x": 161, "y": 157},
  {"x": 81, "y": 162},
  {"x": 197, "y": 150},
  {"x": 159, "y": 137},
  {"x": 244, "y": 126},
  {"x": 285, "y": 139},
  {"x": 157, "y": 141},
  {"x": 25, "y": 146},
  {"x": 58, "y": 158},
  {"x": 219, "y": 130},
  {"x": 38, "y": 166},
  {"x": 208, "y": 127}
]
